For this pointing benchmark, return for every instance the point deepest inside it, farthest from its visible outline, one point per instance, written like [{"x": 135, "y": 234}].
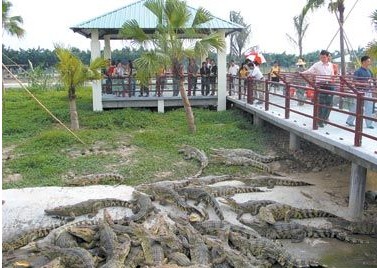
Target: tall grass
[{"x": 139, "y": 144}]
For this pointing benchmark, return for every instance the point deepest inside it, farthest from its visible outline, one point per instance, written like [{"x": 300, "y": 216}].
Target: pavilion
[{"x": 106, "y": 27}]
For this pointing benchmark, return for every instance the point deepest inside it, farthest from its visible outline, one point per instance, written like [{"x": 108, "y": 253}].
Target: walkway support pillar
[
  {"x": 294, "y": 142},
  {"x": 221, "y": 76},
  {"x": 257, "y": 121},
  {"x": 357, "y": 190},
  {"x": 96, "y": 85},
  {"x": 160, "y": 106}
]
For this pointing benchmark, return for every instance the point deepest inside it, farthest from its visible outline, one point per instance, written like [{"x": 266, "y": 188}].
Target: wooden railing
[
  {"x": 345, "y": 90},
  {"x": 166, "y": 85}
]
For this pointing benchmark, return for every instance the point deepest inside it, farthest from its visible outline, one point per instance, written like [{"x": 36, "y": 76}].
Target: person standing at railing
[
  {"x": 110, "y": 72},
  {"x": 363, "y": 82},
  {"x": 257, "y": 76},
  {"x": 160, "y": 82},
  {"x": 243, "y": 74},
  {"x": 213, "y": 77},
  {"x": 232, "y": 72},
  {"x": 274, "y": 75},
  {"x": 192, "y": 72},
  {"x": 205, "y": 73},
  {"x": 300, "y": 92},
  {"x": 178, "y": 75},
  {"x": 321, "y": 69}
]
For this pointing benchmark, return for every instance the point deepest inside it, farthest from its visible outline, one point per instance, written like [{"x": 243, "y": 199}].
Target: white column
[
  {"x": 357, "y": 191},
  {"x": 221, "y": 76},
  {"x": 96, "y": 85},
  {"x": 107, "y": 48}
]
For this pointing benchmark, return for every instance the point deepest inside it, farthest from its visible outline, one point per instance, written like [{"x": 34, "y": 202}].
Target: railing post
[
  {"x": 240, "y": 87},
  {"x": 315, "y": 108},
  {"x": 341, "y": 89},
  {"x": 287, "y": 100},
  {"x": 266, "y": 95},
  {"x": 250, "y": 97},
  {"x": 359, "y": 118}
]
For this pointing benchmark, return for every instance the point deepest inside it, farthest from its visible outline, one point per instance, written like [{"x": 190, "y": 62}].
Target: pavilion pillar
[
  {"x": 107, "y": 48},
  {"x": 96, "y": 84},
  {"x": 221, "y": 76}
]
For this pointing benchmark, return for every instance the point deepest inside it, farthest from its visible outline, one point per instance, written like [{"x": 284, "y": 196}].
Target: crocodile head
[
  {"x": 266, "y": 215},
  {"x": 57, "y": 211}
]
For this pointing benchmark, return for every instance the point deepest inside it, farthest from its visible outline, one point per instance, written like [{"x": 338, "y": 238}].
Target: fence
[{"x": 346, "y": 95}]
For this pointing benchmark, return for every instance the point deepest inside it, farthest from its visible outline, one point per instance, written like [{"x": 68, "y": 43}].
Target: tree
[
  {"x": 11, "y": 24},
  {"x": 300, "y": 27},
  {"x": 238, "y": 40},
  {"x": 337, "y": 7},
  {"x": 372, "y": 46},
  {"x": 74, "y": 73},
  {"x": 168, "y": 45}
]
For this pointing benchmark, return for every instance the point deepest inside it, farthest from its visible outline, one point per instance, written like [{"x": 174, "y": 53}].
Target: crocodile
[
  {"x": 168, "y": 195},
  {"x": 271, "y": 182},
  {"x": 65, "y": 240},
  {"x": 202, "y": 194},
  {"x": 297, "y": 232},
  {"x": 70, "y": 257},
  {"x": 364, "y": 227},
  {"x": 251, "y": 206},
  {"x": 144, "y": 237},
  {"x": 212, "y": 227},
  {"x": 135, "y": 258},
  {"x": 242, "y": 161},
  {"x": 247, "y": 153},
  {"x": 220, "y": 191},
  {"x": 224, "y": 256},
  {"x": 263, "y": 248},
  {"x": 25, "y": 237},
  {"x": 179, "y": 258},
  {"x": 198, "y": 249},
  {"x": 90, "y": 206},
  {"x": 192, "y": 152},
  {"x": 142, "y": 206},
  {"x": 210, "y": 179},
  {"x": 278, "y": 212},
  {"x": 93, "y": 179}
]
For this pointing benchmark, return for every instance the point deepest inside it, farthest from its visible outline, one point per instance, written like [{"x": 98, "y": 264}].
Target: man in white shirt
[
  {"x": 256, "y": 74},
  {"x": 323, "y": 70},
  {"x": 233, "y": 72}
]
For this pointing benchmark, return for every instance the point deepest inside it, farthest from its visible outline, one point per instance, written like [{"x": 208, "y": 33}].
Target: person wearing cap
[
  {"x": 323, "y": 71},
  {"x": 300, "y": 92}
]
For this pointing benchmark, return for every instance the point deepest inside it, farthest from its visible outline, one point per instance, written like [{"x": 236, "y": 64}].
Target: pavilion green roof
[{"x": 111, "y": 22}]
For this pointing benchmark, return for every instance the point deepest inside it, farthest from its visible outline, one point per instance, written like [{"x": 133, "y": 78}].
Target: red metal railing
[{"x": 293, "y": 86}]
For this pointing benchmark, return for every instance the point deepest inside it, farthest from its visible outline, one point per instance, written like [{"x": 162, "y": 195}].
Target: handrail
[{"x": 345, "y": 88}]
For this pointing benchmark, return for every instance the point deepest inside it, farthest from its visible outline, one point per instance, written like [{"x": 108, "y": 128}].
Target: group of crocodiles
[{"x": 186, "y": 236}]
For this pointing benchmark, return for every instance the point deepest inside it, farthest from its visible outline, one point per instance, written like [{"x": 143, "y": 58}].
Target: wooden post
[{"x": 357, "y": 190}]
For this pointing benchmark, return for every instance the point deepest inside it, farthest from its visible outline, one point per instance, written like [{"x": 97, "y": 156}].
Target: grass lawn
[{"x": 139, "y": 144}]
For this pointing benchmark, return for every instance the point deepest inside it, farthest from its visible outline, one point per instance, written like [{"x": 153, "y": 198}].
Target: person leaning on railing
[
  {"x": 363, "y": 82},
  {"x": 323, "y": 70}
]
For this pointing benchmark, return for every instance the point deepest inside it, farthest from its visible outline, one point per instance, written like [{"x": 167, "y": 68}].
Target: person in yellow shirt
[
  {"x": 243, "y": 73},
  {"x": 274, "y": 75}
]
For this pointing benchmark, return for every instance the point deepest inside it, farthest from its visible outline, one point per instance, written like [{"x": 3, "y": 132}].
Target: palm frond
[
  {"x": 201, "y": 16},
  {"x": 157, "y": 8},
  {"x": 177, "y": 13},
  {"x": 132, "y": 30}
]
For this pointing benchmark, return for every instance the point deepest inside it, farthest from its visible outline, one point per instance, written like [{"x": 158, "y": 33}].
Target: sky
[{"x": 47, "y": 22}]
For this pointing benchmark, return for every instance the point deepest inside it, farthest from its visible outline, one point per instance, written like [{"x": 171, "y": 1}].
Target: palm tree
[
  {"x": 337, "y": 7},
  {"x": 174, "y": 39},
  {"x": 300, "y": 27},
  {"x": 11, "y": 24},
  {"x": 74, "y": 73},
  {"x": 372, "y": 46},
  {"x": 238, "y": 40}
]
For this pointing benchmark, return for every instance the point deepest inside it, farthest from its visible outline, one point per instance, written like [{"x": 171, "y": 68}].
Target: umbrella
[{"x": 255, "y": 56}]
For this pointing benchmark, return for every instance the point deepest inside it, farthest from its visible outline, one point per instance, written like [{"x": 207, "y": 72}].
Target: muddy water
[{"x": 335, "y": 253}]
